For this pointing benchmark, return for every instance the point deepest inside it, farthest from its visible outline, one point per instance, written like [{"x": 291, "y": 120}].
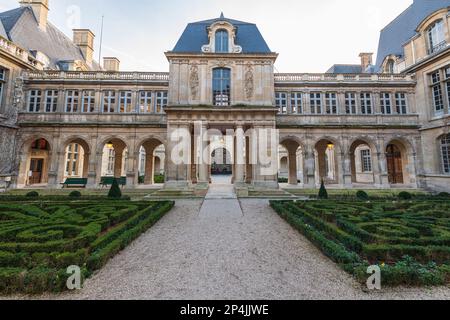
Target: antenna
[{"x": 101, "y": 43}]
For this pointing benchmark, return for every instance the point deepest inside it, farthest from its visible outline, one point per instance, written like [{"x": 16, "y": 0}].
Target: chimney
[
  {"x": 366, "y": 60},
  {"x": 84, "y": 39},
  {"x": 111, "y": 64},
  {"x": 40, "y": 10}
]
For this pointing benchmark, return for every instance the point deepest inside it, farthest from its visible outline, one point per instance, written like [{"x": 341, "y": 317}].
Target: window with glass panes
[
  {"x": 73, "y": 157},
  {"x": 221, "y": 87},
  {"x": 109, "y": 101},
  {"x": 221, "y": 41},
  {"x": 401, "y": 103},
  {"x": 51, "y": 100},
  {"x": 331, "y": 103},
  {"x": 436, "y": 89},
  {"x": 145, "y": 102},
  {"x": 445, "y": 153},
  {"x": 88, "y": 104},
  {"x": 366, "y": 161},
  {"x": 125, "y": 102},
  {"x": 72, "y": 101},
  {"x": 296, "y": 102},
  {"x": 350, "y": 103},
  {"x": 111, "y": 161},
  {"x": 281, "y": 102},
  {"x": 447, "y": 86},
  {"x": 161, "y": 101},
  {"x": 436, "y": 37},
  {"x": 316, "y": 102},
  {"x": 34, "y": 101},
  {"x": 385, "y": 102},
  {"x": 2, "y": 84},
  {"x": 366, "y": 103}
]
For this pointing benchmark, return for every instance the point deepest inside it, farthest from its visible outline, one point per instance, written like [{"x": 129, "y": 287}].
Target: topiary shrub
[
  {"x": 323, "y": 194},
  {"x": 114, "y": 192},
  {"x": 362, "y": 195},
  {"x": 32, "y": 194},
  {"x": 405, "y": 195},
  {"x": 444, "y": 195},
  {"x": 75, "y": 194}
]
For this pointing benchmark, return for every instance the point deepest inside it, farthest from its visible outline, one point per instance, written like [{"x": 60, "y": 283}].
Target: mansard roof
[
  {"x": 195, "y": 36},
  {"x": 21, "y": 27},
  {"x": 403, "y": 28},
  {"x": 345, "y": 69}
]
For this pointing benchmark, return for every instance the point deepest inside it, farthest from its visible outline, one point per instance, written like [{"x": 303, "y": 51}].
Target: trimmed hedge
[
  {"x": 38, "y": 242},
  {"x": 409, "y": 240}
]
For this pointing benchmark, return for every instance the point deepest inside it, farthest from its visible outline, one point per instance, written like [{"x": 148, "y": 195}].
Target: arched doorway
[
  {"x": 326, "y": 162},
  {"x": 221, "y": 166},
  {"x": 395, "y": 164},
  {"x": 76, "y": 160},
  {"x": 362, "y": 165},
  {"x": 291, "y": 162},
  {"x": 151, "y": 157},
  {"x": 114, "y": 159},
  {"x": 38, "y": 162}
]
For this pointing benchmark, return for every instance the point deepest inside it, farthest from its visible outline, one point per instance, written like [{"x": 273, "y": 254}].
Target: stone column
[
  {"x": 201, "y": 149},
  {"x": 239, "y": 158},
  {"x": 265, "y": 175},
  {"x": 178, "y": 156},
  {"x": 293, "y": 180},
  {"x": 248, "y": 161},
  {"x": 118, "y": 158},
  {"x": 149, "y": 166},
  {"x": 310, "y": 168},
  {"x": 382, "y": 165}
]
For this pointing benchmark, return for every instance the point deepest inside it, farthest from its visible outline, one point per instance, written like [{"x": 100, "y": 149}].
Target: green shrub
[
  {"x": 114, "y": 192},
  {"x": 323, "y": 194},
  {"x": 75, "y": 194},
  {"x": 283, "y": 180},
  {"x": 160, "y": 178},
  {"x": 444, "y": 195},
  {"x": 32, "y": 194},
  {"x": 362, "y": 195},
  {"x": 405, "y": 195}
]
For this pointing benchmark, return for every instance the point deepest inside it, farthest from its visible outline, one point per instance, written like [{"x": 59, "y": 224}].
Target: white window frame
[
  {"x": 331, "y": 103},
  {"x": 281, "y": 102},
  {"x": 34, "y": 100},
  {"x": 366, "y": 103},
  {"x": 109, "y": 101},
  {"x": 436, "y": 36},
  {"x": 51, "y": 100},
  {"x": 366, "y": 161},
  {"x": 2, "y": 85},
  {"x": 125, "y": 102},
  {"x": 297, "y": 102},
  {"x": 72, "y": 101},
  {"x": 401, "y": 102},
  {"x": 146, "y": 102},
  {"x": 73, "y": 158},
  {"x": 315, "y": 99},
  {"x": 436, "y": 93},
  {"x": 445, "y": 153},
  {"x": 111, "y": 161},
  {"x": 351, "y": 103},
  {"x": 161, "y": 101},
  {"x": 386, "y": 103},
  {"x": 88, "y": 101}
]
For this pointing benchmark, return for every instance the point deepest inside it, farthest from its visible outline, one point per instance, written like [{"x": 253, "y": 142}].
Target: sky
[{"x": 310, "y": 36}]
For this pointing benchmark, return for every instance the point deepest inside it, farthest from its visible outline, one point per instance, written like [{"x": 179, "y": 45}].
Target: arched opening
[
  {"x": 76, "y": 159},
  {"x": 38, "y": 163},
  {"x": 326, "y": 162},
  {"x": 152, "y": 154},
  {"x": 221, "y": 166},
  {"x": 397, "y": 162},
  {"x": 361, "y": 157},
  {"x": 114, "y": 159},
  {"x": 291, "y": 161},
  {"x": 221, "y": 45}
]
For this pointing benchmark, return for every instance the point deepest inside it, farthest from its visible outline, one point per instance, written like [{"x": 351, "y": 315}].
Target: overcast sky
[{"x": 310, "y": 36}]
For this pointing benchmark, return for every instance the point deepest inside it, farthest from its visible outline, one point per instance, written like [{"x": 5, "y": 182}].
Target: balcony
[
  {"x": 19, "y": 53},
  {"x": 439, "y": 47},
  {"x": 96, "y": 76},
  {"x": 298, "y": 78}
]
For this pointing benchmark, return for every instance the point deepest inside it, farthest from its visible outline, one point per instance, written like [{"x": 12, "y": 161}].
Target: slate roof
[
  {"x": 2, "y": 30},
  {"x": 22, "y": 28},
  {"x": 403, "y": 28},
  {"x": 345, "y": 68},
  {"x": 195, "y": 36}
]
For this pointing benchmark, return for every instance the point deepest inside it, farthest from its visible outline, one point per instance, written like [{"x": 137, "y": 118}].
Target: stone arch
[
  {"x": 146, "y": 158},
  {"x": 400, "y": 161},
  {"x": 79, "y": 158},
  {"x": 328, "y": 157},
  {"x": 363, "y": 154},
  {"x": 35, "y": 160},
  {"x": 295, "y": 150},
  {"x": 111, "y": 154}
]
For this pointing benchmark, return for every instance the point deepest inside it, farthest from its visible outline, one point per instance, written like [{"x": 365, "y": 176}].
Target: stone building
[{"x": 370, "y": 125}]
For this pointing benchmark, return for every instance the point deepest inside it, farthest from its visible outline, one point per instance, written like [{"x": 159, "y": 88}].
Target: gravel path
[{"x": 216, "y": 250}]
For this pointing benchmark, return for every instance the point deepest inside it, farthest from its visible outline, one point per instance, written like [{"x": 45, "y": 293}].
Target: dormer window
[
  {"x": 222, "y": 41},
  {"x": 436, "y": 37}
]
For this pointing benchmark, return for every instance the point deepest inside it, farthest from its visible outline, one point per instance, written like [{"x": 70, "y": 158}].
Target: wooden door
[
  {"x": 394, "y": 164},
  {"x": 36, "y": 166}
]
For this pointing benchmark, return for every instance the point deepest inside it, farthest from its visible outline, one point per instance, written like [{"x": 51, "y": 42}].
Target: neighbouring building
[{"x": 376, "y": 124}]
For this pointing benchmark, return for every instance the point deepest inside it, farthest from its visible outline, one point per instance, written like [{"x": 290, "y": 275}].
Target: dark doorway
[
  {"x": 394, "y": 164},
  {"x": 36, "y": 166}
]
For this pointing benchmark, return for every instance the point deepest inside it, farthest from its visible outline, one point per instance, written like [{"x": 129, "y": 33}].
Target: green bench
[
  {"x": 75, "y": 183},
  {"x": 107, "y": 181}
]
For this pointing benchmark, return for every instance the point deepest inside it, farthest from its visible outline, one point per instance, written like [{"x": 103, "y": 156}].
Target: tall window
[
  {"x": 401, "y": 103},
  {"x": 109, "y": 101},
  {"x": 447, "y": 86},
  {"x": 386, "y": 104},
  {"x": 445, "y": 153},
  {"x": 281, "y": 102},
  {"x": 366, "y": 103},
  {"x": 222, "y": 86},
  {"x": 72, "y": 161},
  {"x": 51, "y": 100},
  {"x": 331, "y": 103},
  {"x": 366, "y": 161},
  {"x": 34, "y": 101},
  {"x": 72, "y": 100},
  {"x": 316, "y": 102},
  {"x": 350, "y": 103},
  {"x": 145, "y": 102},
  {"x": 390, "y": 65},
  {"x": 296, "y": 102},
  {"x": 125, "y": 102},
  {"x": 88, "y": 104},
  {"x": 161, "y": 101},
  {"x": 2, "y": 84},
  {"x": 111, "y": 161},
  {"x": 436, "y": 37},
  {"x": 221, "y": 41},
  {"x": 436, "y": 88}
]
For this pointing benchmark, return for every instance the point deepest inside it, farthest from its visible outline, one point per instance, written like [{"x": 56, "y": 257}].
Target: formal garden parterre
[
  {"x": 408, "y": 240},
  {"x": 40, "y": 239}
]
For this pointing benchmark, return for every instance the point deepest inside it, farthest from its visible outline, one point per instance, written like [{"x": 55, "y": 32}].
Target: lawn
[
  {"x": 409, "y": 240},
  {"x": 40, "y": 240}
]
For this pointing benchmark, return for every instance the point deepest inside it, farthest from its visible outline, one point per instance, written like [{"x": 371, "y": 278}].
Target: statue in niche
[
  {"x": 194, "y": 81},
  {"x": 249, "y": 82}
]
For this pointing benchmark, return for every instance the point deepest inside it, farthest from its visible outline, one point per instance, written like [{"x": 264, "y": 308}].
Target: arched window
[
  {"x": 445, "y": 153},
  {"x": 221, "y": 86},
  {"x": 436, "y": 37},
  {"x": 222, "y": 41}
]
